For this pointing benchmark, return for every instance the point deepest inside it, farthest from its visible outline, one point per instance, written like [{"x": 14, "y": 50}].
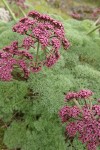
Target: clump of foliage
[
  {"x": 82, "y": 118},
  {"x": 30, "y": 108}
]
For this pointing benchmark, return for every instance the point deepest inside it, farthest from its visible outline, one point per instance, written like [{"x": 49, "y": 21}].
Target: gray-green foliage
[
  {"x": 6, "y": 34},
  {"x": 31, "y": 108}
]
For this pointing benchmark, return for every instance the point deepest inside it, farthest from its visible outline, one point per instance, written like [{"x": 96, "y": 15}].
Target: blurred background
[{"x": 78, "y": 9}]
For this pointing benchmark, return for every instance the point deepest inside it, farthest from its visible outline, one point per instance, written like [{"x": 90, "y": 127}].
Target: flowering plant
[
  {"x": 43, "y": 37},
  {"x": 83, "y": 120}
]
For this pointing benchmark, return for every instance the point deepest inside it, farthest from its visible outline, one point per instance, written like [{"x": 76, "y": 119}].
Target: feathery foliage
[{"x": 30, "y": 109}]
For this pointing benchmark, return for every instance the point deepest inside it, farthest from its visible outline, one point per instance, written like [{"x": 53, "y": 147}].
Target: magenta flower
[
  {"x": 28, "y": 42},
  {"x": 92, "y": 146},
  {"x": 71, "y": 129},
  {"x": 76, "y": 16},
  {"x": 82, "y": 121},
  {"x": 36, "y": 69},
  {"x": 52, "y": 59},
  {"x": 10, "y": 58},
  {"x": 70, "y": 96},
  {"x": 78, "y": 95},
  {"x": 96, "y": 12},
  {"x": 85, "y": 93},
  {"x": 96, "y": 109},
  {"x": 68, "y": 112}
]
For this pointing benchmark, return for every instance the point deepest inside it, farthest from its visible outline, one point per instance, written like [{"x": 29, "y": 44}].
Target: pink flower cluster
[
  {"x": 84, "y": 122},
  {"x": 96, "y": 12},
  {"x": 43, "y": 37},
  {"x": 68, "y": 112},
  {"x": 11, "y": 57},
  {"x": 82, "y": 94},
  {"x": 76, "y": 16}
]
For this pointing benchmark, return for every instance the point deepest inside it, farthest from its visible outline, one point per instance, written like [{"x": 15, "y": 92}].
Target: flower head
[
  {"x": 43, "y": 37},
  {"x": 70, "y": 96},
  {"x": 85, "y": 93},
  {"x": 82, "y": 121}
]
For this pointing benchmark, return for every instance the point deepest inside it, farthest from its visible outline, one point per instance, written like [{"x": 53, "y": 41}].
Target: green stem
[
  {"x": 90, "y": 99},
  {"x": 37, "y": 53},
  {"x": 97, "y": 21},
  {"x": 86, "y": 103},
  {"x": 12, "y": 14},
  {"x": 22, "y": 11},
  {"x": 90, "y": 104},
  {"x": 30, "y": 35},
  {"x": 78, "y": 105},
  {"x": 71, "y": 147},
  {"x": 93, "y": 30}
]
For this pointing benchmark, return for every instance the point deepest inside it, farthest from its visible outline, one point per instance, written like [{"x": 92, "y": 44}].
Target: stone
[{"x": 4, "y": 15}]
